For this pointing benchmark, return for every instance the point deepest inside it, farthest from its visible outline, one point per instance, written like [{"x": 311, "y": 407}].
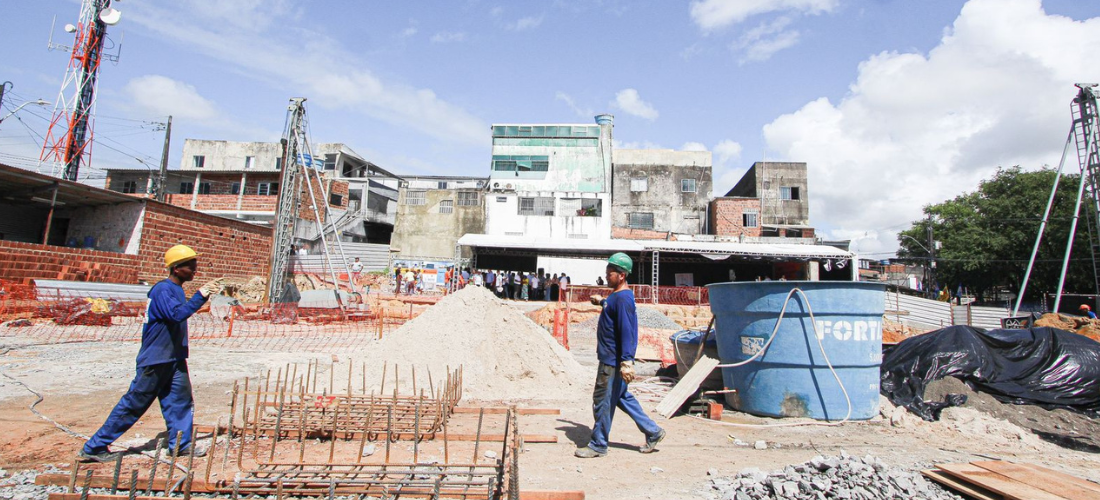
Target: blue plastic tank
[{"x": 792, "y": 378}]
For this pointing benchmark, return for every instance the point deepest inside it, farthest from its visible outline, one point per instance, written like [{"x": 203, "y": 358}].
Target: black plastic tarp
[{"x": 1042, "y": 366}]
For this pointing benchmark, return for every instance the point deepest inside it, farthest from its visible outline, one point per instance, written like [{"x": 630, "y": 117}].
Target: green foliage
[{"x": 987, "y": 236}]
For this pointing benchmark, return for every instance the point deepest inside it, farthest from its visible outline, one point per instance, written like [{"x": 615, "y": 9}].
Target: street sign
[{"x": 1016, "y": 323}]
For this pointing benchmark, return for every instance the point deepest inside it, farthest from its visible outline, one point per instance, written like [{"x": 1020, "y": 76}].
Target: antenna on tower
[{"x": 69, "y": 137}]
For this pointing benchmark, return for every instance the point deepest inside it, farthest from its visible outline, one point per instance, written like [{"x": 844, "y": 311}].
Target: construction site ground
[{"x": 80, "y": 382}]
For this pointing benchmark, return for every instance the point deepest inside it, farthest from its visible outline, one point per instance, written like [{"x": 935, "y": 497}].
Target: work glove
[
  {"x": 626, "y": 371},
  {"x": 595, "y": 299},
  {"x": 211, "y": 288}
]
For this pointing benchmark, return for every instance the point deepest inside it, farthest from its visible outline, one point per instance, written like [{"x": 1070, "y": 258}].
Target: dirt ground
[{"x": 80, "y": 382}]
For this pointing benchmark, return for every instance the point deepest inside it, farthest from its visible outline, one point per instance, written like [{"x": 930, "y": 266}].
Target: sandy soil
[{"x": 80, "y": 382}]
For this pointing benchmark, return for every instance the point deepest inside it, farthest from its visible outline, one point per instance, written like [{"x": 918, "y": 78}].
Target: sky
[{"x": 893, "y": 104}]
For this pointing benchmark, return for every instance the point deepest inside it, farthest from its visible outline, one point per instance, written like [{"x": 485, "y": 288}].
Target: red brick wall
[
  {"x": 226, "y": 248},
  {"x": 251, "y": 202},
  {"x": 26, "y": 261},
  {"x": 626, "y": 233},
  {"x": 726, "y": 216},
  {"x": 340, "y": 188}
]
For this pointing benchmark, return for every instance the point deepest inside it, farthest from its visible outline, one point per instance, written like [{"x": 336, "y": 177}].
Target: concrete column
[
  {"x": 240, "y": 194},
  {"x": 813, "y": 271},
  {"x": 195, "y": 191}
]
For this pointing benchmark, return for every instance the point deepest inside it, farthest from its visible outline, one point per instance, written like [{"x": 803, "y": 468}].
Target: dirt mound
[
  {"x": 1079, "y": 324},
  {"x": 505, "y": 355}
]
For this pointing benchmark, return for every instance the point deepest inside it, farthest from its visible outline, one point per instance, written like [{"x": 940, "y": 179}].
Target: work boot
[
  {"x": 587, "y": 452},
  {"x": 651, "y": 442},
  {"x": 101, "y": 457}
]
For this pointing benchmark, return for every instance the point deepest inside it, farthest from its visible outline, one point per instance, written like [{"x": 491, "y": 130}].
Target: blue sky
[{"x": 894, "y": 104}]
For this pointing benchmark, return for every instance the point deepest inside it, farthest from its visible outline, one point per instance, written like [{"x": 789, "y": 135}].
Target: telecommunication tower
[{"x": 69, "y": 137}]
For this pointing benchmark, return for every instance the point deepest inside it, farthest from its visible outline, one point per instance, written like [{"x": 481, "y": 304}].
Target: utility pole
[
  {"x": 931, "y": 261},
  {"x": 3, "y": 87},
  {"x": 162, "y": 180}
]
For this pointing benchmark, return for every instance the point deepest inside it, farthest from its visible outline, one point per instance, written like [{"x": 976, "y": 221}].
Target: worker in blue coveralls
[
  {"x": 161, "y": 361},
  {"x": 616, "y": 343}
]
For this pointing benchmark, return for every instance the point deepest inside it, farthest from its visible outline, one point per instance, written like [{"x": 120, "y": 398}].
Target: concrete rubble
[{"x": 842, "y": 477}]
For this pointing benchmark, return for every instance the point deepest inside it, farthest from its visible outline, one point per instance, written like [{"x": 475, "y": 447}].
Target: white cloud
[
  {"x": 917, "y": 129},
  {"x": 761, "y": 42},
  {"x": 727, "y": 151},
  {"x": 449, "y": 37},
  {"x": 353, "y": 88},
  {"x": 713, "y": 14},
  {"x": 525, "y": 23},
  {"x": 726, "y": 169},
  {"x": 581, "y": 112},
  {"x": 693, "y": 146},
  {"x": 631, "y": 103},
  {"x": 155, "y": 95},
  {"x": 412, "y": 29}
]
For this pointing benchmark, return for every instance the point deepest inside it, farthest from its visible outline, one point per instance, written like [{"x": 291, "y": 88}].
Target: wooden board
[
  {"x": 960, "y": 486},
  {"x": 1048, "y": 480},
  {"x": 687, "y": 386},
  {"x": 997, "y": 483}
]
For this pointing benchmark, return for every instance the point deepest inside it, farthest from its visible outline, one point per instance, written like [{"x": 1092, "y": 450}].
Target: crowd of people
[{"x": 512, "y": 285}]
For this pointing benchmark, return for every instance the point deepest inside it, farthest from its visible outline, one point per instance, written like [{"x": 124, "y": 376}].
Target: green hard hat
[{"x": 621, "y": 260}]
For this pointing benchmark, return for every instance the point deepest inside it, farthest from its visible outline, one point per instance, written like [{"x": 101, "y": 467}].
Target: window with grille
[
  {"x": 204, "y": 188},
  {"x": 641, "y": 220},
  {"x": 639, "y": 184},
  {"x": 187, "y": 187},
  {"x": 687, "y": 185},
  {"x": 447, "y": 207},
  {"x": 789, "y": 193},
  {"x": 129, "y": 187},
  {"x": 267, "y": 188},
  {"x": 468, "y": 199},
  {"x": 417, "y": 197},
  {"x": 748, "y": 219},
  {"x": 198, "y": 161},
  {"x": 542, "y": 205},
  {"x": 570, "y": 206}
]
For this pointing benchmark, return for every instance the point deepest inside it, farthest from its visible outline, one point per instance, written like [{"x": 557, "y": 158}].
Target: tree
[{"x": 987, "y": 236}]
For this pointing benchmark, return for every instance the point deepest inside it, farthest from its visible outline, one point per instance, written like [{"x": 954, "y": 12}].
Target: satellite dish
[
  {"x": 110, "y": 16},
  {"x": 69, "y": 28}
]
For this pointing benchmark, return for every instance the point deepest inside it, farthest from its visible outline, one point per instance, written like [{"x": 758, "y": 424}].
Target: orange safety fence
[
  {"x": 292, "y": 327},
  {"x": 644, "y": 294}
]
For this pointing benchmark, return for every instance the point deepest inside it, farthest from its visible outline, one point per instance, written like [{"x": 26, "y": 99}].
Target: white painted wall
[
  {"x": 580, "y": 271},
  {"x": 502, "y": 218}
]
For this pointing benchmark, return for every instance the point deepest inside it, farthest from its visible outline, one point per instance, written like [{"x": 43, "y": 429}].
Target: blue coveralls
[
  {"x": 616, "y": 341},
  {"x": 161, "y": 371}
]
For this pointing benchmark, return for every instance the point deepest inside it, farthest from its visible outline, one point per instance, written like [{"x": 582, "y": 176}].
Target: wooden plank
[
  {"x": 960, "y": 486},
  {"x": 1045, "y": 479},
  {"x": 550, "y": 495},
  {"x": 687, "y": 386},
  {"x": 1005, "y": 486}
]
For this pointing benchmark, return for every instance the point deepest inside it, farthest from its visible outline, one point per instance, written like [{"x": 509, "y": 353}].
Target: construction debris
[
  {"x": 843, "y": 477},
  {"x": 994, "y": 480}
]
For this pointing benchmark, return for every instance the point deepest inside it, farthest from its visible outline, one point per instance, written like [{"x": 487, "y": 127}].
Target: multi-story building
[
  {"x": 770, "y": 202},
  {"x": 658, "y": 193},
  {"x": 550, "y": 181},
  {"x": 433, "y": 213}
]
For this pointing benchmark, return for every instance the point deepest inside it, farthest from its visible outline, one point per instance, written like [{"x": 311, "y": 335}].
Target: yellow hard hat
[{"x": 178, "y": 254}]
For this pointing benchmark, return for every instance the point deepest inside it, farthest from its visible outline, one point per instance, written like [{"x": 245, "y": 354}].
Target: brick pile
[{"x": 23, "y": 262}]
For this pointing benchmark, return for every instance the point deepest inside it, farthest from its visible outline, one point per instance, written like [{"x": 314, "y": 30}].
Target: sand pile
[{"x": 505, "y": 355}]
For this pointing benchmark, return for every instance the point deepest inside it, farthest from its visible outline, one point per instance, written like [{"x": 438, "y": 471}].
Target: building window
[
  {"x": 580, "y": 207},
  {"x": 235, "y": 188},
  {"x": 204, "y": 188},
  {"x": 447, "y": 207},
  {"x": 789, "y": 193},
  {"x": 639, "y": 184},
  {"x": 187, "y": 187},
  {"x": 468, "y": 199},
  {"x": 687, "y": 185},
  {"x": 748, "y": 219},
  {"x": 641, "y": 220},
  {"x": 198, "y": 161},
  {"x": 129, "y": 187},
  {"x": 441, "y": 185},
  {"x": 267, "y": 188},
  {"x": 542, "y": 205},
  {"x": 505, "y": 163},
  {"x": 330, "y": 162},
  {"x": 279, "y": 163},
  {"x": 416, "y": 197},
  {"x": 249, "y": 162},
  {"x": 335, "y": 200},
  {"x": 502, "y": 199}
]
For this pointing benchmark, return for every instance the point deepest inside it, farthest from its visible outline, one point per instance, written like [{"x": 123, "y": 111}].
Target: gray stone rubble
[{"x": 844, "y": 477}]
